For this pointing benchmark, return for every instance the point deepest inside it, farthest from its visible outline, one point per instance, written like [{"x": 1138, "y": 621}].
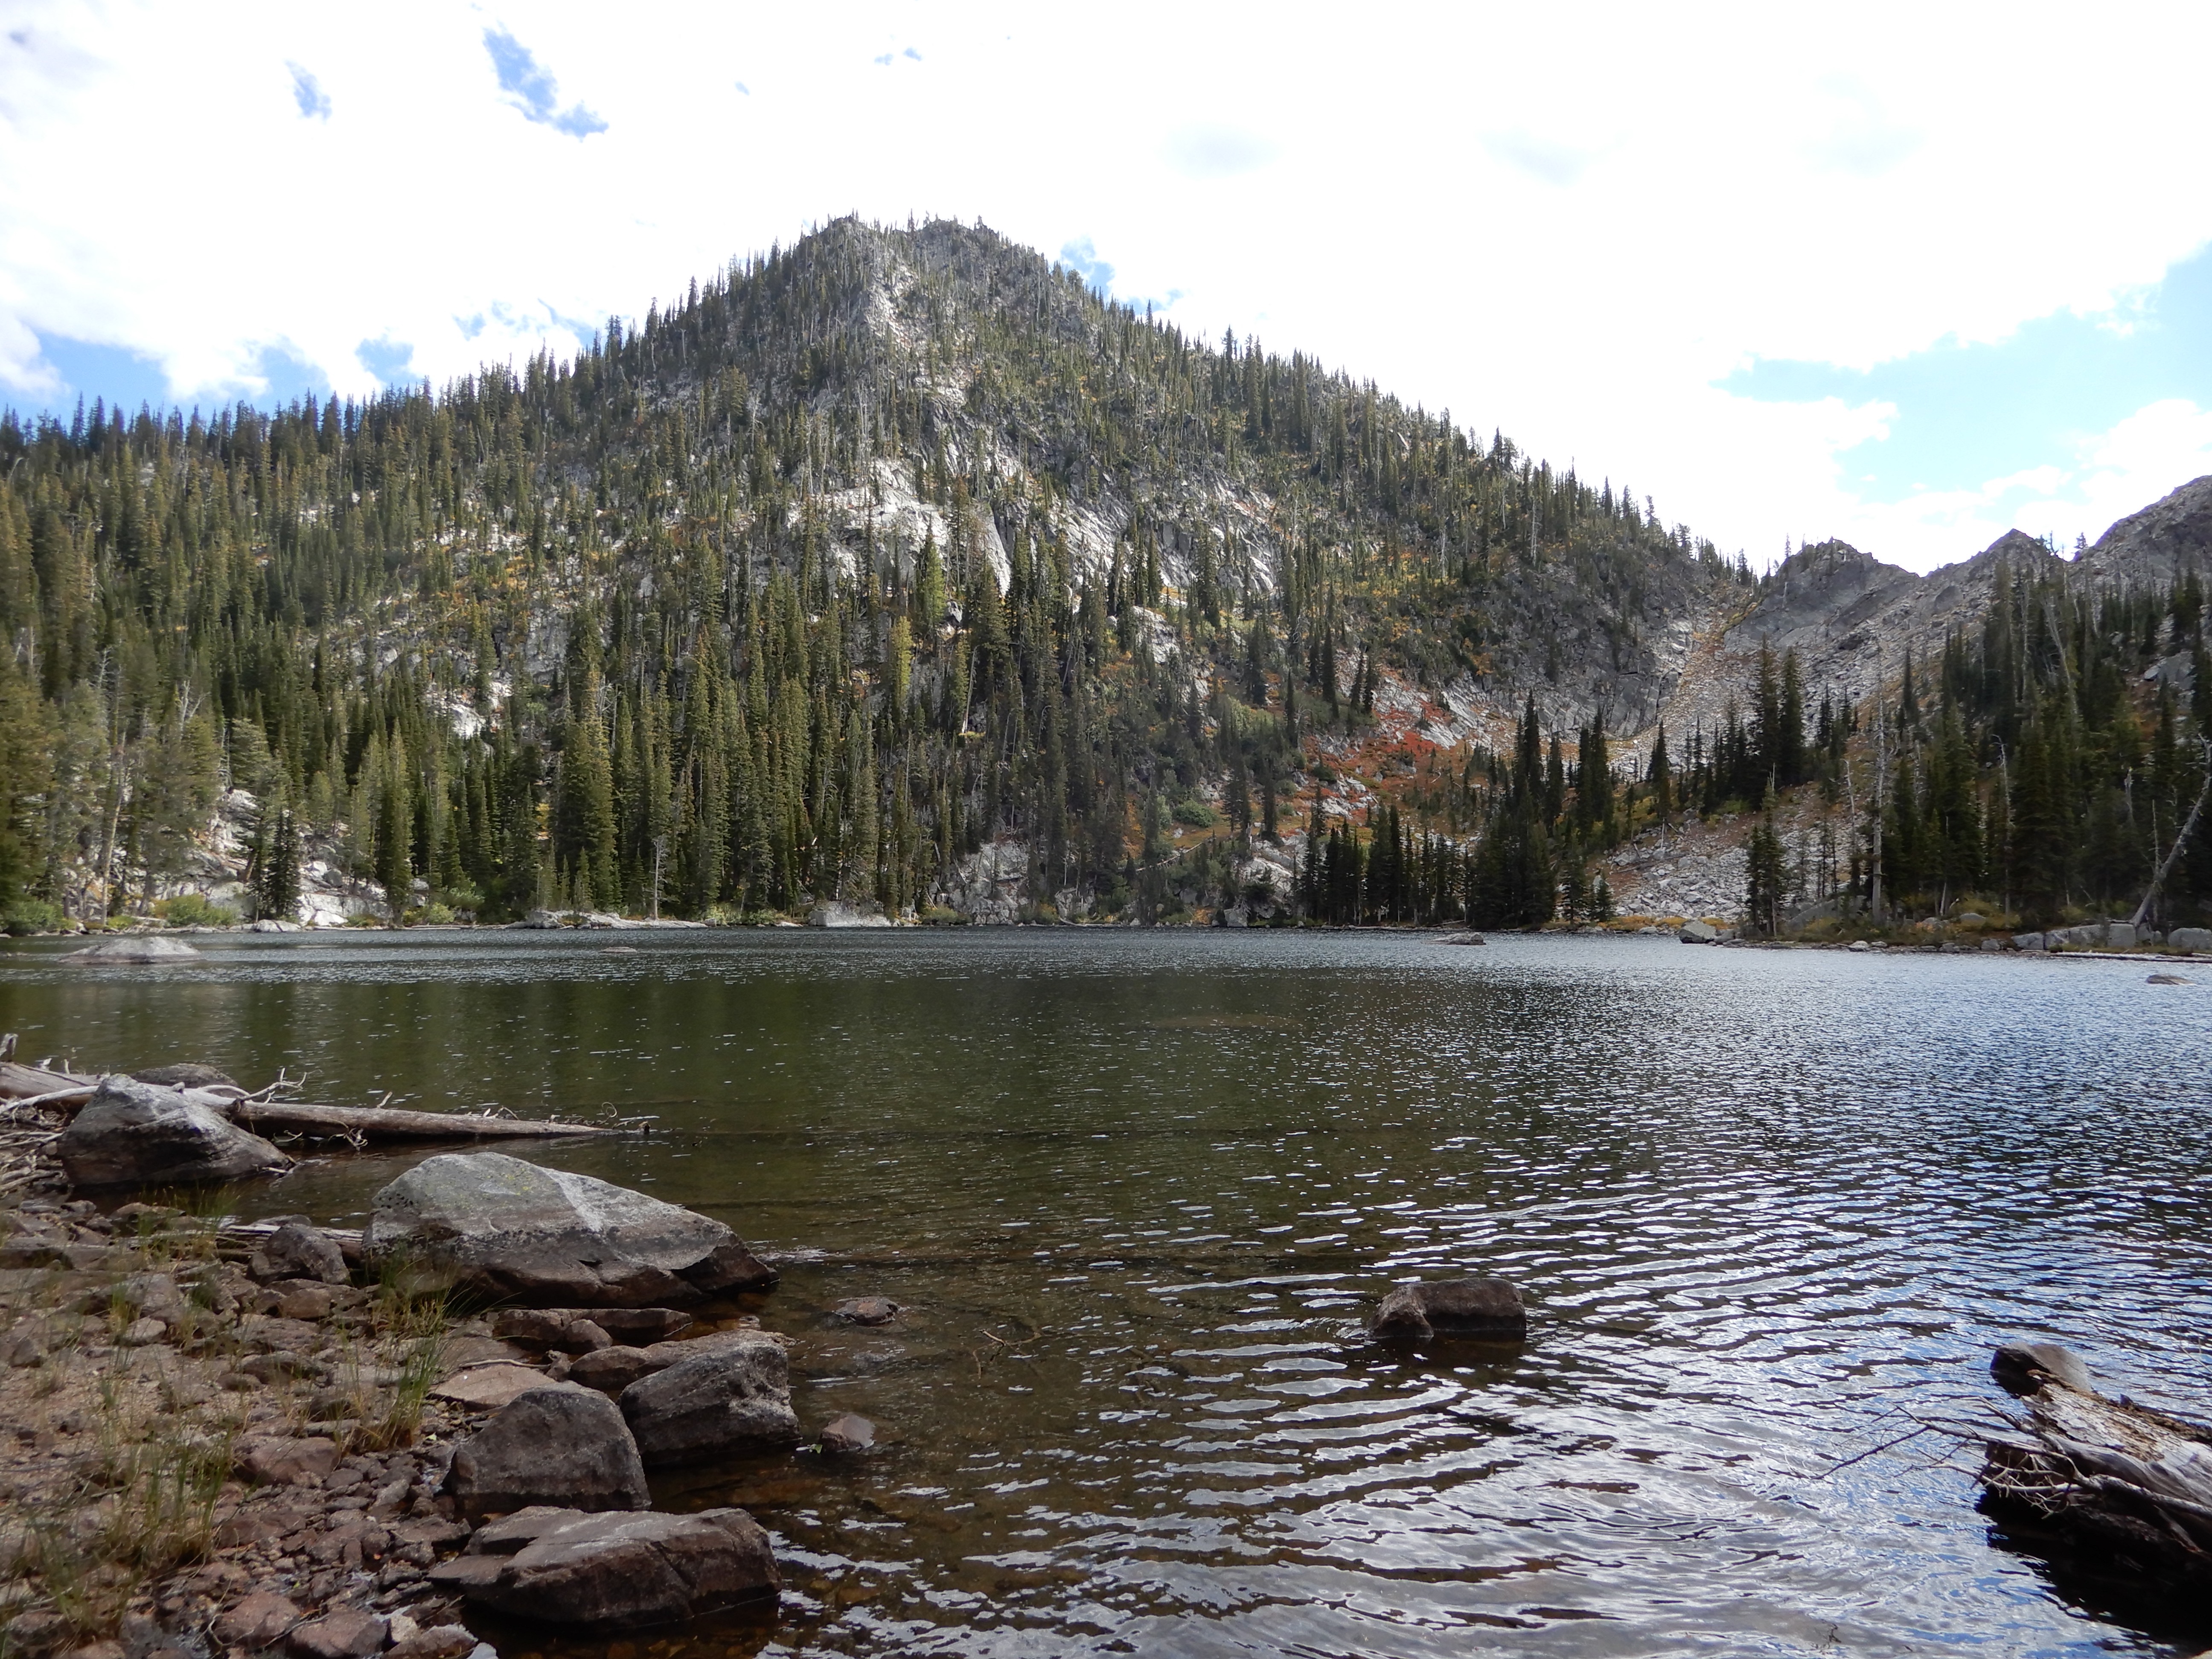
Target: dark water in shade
[{"x": 1140, "y": 1190}]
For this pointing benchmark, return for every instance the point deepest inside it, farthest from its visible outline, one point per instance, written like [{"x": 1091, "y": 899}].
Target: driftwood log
[
  {"x": 23, "y": 1088},
  {"x": 2126, "y": 1489},
  {"x": 389, "y": 1123}
]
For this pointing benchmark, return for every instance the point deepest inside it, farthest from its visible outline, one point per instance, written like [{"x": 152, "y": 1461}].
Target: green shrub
[
  {"x": 194, "y": 911},
  {"x": 1196, "y": 813},
  {"x": 30, "y": 916}
]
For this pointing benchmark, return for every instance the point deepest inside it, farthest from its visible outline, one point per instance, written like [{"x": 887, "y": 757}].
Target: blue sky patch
[
  {"x": 314, "y": 103},
  {"x": 123, "y": 379},
  {"x": 388, "y": 359},
  {"x": 1082, "y": 257},
  {"x": 532, "y": 90},
  {"x": 1969, "y": 414}
]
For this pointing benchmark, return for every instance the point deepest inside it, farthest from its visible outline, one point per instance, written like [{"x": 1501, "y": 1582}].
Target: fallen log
[
  {"x": 2125, "y": 1488},
  {"x": 389, "y": 1123},
  {"x": 28, "y": 1087},
  {"x": 20, "y": 1082}
]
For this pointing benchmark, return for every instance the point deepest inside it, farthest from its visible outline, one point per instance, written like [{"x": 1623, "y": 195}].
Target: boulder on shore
[
  {"x": 605, "y": 1572},
  {"x": 297, "y": 1251},
  {"x": 1697, "y": 933},
  {"x": 516, "y": 1231},
  {"x": 1460, "y": 1307},
  {"x": 612, "y": 1370},
  {"x": 134, "y": 1134},
  {"x": 559, "y": 1444},
  {"x": 735, "y": 1396},
  {"x": 2197, "y": 941}
]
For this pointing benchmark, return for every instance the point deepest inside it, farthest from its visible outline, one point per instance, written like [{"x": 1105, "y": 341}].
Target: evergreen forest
[{"x": 898, "y": 567}]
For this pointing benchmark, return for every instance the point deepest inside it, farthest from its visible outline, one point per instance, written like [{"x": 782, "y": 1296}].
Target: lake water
[{"x": 1139, "y": 1190}]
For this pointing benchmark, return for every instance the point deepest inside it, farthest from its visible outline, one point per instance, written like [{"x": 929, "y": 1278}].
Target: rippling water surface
[{"x": 1138, "y": 1192}]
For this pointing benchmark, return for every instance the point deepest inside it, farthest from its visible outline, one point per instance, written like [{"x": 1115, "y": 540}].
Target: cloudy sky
[{"x": 1908, "y": 275}]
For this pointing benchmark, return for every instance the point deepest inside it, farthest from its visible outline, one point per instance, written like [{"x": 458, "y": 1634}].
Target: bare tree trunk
[{"x": 2180, "y": 841}]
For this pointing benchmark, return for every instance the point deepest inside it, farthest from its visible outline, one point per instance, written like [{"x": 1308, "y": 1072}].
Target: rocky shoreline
[
  {"x": 237, "y": 1439},
  {"x": 241, "y": 1439}
]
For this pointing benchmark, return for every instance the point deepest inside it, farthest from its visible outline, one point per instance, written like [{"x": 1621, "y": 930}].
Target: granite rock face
[
  {"x": 516, "y": 1231},
  {"x": 134, "y": 1134}
]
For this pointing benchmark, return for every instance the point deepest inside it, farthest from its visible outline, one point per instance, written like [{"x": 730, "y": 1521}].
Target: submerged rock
[
  {"x": 556, "y": 1444},
  {"x": 866, "y": 1310},
  {"x": 848, "y": 1433},
  {"x": 1461, "y": 1307},
  {"x": 602, "y": 1572},
  {"x": 516, "y": 1231},
  {"x": 734, "y": 1396},
  {"x": 136, "y": 1133}
]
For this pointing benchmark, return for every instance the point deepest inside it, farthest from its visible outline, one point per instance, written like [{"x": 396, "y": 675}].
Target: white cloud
[
  {"x": 1210, "y": 151},
  {"x": 1571, "y": 239}
]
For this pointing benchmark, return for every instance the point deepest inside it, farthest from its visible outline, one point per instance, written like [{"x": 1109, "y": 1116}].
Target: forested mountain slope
[{"x": 900, "y": 569}]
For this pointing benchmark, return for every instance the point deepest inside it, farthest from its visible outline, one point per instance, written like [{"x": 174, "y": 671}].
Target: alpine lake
[{"x": 1138, "y": 1192}]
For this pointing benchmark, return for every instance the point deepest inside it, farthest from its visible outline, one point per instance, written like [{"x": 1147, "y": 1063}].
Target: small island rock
[
  {"x": 133, "y": 950},
  {"x": 1461, "y": 1307}
]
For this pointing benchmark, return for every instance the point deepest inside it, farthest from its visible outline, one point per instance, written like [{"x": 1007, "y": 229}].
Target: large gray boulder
[
  {"x": 134, "y": 1134},
  {"x": 516, "y": 1231},
  {"x": 734, "y": 1397},
  {"x": 2197, "y": 941},
  {"x": 1694, "y": 931},
  {"x": 607, "y": 1572},
  {"x": 1461, "y": 1307},
  {"x": 560, "y": 1444}
]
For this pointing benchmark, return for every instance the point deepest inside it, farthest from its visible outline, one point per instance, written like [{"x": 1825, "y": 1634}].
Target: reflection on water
[{"x": 1138, "y": 1193}]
